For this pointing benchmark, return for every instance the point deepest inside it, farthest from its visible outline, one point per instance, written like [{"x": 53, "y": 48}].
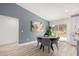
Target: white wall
[
  {"x": 9, "y": 31},
  {"x": 71, "y": 23},
  {"x": 74, "y": 28}
]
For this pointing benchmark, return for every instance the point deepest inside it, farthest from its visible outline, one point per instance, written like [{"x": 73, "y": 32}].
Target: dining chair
[
  {"x": 46, "y": 43},
  {"x": 55, "y": 41},
  {"x": 39, "y": 39}
]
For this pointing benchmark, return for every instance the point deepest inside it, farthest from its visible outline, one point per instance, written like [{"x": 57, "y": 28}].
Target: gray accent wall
[{"x": 25, "y": 17}]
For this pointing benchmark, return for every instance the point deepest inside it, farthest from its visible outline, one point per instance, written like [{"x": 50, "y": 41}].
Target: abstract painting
[{"x": 36, "y": 26}]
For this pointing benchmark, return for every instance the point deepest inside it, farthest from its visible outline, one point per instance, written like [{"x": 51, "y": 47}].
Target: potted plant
[{"x": 48, "y": 31}]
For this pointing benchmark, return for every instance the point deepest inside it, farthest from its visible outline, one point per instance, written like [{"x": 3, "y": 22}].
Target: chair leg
[
  {"x": 48, "y": 49},
  {"x": 57, "y": 45},
  {"x": 43, "y": 48},
  {"x": 37, "y": 44},
  {"x": 52, "y": 47}
]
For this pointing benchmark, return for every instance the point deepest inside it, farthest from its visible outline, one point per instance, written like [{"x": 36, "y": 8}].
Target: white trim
[
  {"x": 9, "y": 43},
  {"x": 27, "y": 43}
]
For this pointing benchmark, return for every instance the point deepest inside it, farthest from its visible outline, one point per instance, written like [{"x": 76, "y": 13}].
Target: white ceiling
[{"x": 52, "y": 11}]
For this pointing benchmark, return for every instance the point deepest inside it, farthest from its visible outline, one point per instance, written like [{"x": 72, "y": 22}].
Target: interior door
[{"x": 9, "y": 30}]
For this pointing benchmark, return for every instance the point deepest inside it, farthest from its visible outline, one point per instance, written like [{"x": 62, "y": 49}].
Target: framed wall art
[{"x": 36, "y": 26}]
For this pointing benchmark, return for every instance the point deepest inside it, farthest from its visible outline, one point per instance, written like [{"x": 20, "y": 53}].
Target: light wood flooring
[{"x": 65, "y": 49}]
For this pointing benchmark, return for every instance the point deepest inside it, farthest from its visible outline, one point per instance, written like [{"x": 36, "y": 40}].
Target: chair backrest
[
  {"x": 39, "y": 39},
  {"x": 58, "y": 38},
  {"x": 54, "y": 40},
  {"x": 46, "y": 42}
]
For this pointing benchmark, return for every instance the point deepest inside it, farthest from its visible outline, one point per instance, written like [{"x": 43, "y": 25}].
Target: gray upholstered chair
[
  {"x": 39, "y": 39},
  {"x": 46, "y": 43},
  {"x": 55, "y": 41}
]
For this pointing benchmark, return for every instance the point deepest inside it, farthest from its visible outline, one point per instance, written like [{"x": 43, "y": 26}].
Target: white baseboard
[
  {"x": 9, "y": 43},
  {"x": 27, "y": 43}
]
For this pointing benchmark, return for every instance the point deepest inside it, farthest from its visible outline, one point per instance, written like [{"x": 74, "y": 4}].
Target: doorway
[
  {"x": 9, "y": 30},
  {"x": 60, "y": 30}
]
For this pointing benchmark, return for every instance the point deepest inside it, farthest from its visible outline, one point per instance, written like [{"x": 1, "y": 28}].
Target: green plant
[{"x": 48, "y": 31}]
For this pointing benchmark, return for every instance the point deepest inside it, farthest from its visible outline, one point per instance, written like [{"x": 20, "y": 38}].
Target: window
[{"x": 59, "y": 30}]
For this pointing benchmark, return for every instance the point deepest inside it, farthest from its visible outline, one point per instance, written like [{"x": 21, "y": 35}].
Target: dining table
[{"x": 52, "y": 39}]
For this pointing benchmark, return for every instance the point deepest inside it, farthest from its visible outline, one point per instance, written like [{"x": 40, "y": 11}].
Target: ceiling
[{"x": 52, "y": 11}]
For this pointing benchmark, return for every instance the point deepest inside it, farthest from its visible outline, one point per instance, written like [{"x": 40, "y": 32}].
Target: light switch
[{"x": 22, "y": 31}]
